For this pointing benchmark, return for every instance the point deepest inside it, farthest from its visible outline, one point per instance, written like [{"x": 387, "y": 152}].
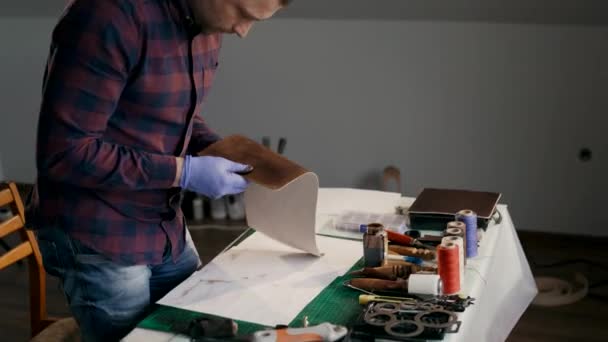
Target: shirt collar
[{"x": 185, "y": 15}]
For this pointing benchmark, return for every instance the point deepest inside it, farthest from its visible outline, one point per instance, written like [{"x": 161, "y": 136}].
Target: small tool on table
[
  {"x": 224, "y": 329},
  {"x": 407, "y": 240}
]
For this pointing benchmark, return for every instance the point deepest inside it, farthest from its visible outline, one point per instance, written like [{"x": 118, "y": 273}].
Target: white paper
[
  {"x": 264, "y": 281},
  {"x": 287, "y": 214}
]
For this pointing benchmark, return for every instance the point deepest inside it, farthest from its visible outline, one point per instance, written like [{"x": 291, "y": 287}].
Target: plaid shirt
[{"x": 123, "y": 84}]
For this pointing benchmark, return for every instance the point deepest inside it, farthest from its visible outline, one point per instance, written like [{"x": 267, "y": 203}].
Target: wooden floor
[
  {"x": 585, "y": 320},
  {"x": 582, "y": 321}
]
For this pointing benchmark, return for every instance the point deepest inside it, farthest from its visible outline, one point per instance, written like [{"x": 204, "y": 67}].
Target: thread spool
[
  {"x": 421, "y": 283},
  {"x": 459, "y": 242},
  {"x": 469, "y": 217},
  {"x": 456, "y": 224},
  {"x": 447, "y": 260},
  {"x": 457, "y": 231},
  {"x": 375, "y": 245}
]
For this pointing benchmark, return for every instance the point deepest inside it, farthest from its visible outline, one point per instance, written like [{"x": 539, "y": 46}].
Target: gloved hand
[{"x": 213, "y": 176}]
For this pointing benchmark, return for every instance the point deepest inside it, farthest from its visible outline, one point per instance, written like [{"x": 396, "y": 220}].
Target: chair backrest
[{"x": 28, "y": 248}]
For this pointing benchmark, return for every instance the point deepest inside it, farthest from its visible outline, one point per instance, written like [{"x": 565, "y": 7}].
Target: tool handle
[
  {"x": 421, "y": 253},
  {"x": 320, "y": 333},
  {"x": 401, "y": 239},
  {"x": 384, "y": 272},
  {"x": 366, "y": 299}
]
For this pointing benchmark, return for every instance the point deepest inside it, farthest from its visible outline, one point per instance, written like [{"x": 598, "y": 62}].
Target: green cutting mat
[{"x": 336, "y": 304}]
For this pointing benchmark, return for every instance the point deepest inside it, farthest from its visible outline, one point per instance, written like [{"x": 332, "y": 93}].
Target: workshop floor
[{"x": 584, "y": 320}]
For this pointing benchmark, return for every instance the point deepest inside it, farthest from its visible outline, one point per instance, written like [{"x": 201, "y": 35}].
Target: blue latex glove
[{"x": 213, "y": 177}]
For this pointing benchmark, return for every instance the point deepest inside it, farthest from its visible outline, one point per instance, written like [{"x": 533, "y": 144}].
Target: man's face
[{"x": 232, "y": 16}]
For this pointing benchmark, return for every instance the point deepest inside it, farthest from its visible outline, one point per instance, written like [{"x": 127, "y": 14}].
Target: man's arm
[{"x": 95, "y": 47}]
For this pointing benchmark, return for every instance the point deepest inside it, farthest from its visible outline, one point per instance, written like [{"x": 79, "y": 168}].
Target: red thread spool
[{"x": 449, "y": 267}]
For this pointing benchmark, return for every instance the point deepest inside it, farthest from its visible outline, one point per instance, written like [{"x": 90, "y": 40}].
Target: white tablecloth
[{"x": 499, "y": 279}]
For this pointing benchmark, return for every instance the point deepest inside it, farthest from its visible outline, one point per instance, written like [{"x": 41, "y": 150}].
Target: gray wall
[
  {"x": 23, "y": 47},
  {"x": 495, "y": 107},
  {"x": 1, "y": 170}
]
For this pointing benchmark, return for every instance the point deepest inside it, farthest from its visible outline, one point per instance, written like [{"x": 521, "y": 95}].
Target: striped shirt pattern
[{"x": 123, "y": 91}]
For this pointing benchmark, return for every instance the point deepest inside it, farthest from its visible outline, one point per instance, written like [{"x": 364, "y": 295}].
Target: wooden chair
[{"x": 48, "y": 328}]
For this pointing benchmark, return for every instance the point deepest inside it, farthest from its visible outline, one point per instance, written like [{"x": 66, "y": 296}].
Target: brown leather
[
  {"x": 270, "y": 169},
  {"x": 451, "y": 201}
]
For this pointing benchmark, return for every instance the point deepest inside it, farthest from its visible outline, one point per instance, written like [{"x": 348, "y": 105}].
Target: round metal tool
[
  {"x": 387, "y": 308},
  {"x": 429, "y": 306},
  {"x": 379, "y": 319},
  {"x": 423, "y": 318},
  {"x": 396, "y": 328}
]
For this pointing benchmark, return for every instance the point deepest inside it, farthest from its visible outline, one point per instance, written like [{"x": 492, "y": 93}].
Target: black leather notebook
[{"x": 434, "y": 208}]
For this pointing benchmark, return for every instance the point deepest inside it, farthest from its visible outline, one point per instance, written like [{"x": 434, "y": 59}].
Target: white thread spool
[
  {"x": 457, "y": 240},
  {"x": 454, "y": 231},
  {"x": 422, "y": 283},
  {"x": 456, "y": 224}
]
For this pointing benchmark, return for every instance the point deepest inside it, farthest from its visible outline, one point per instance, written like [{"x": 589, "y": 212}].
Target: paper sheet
[
  {"x": 287, "y": 214},
  {"x": 263, "y": 281}
]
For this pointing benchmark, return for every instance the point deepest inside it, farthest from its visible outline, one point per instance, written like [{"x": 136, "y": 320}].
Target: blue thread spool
[{"x": 469, "y": 217}]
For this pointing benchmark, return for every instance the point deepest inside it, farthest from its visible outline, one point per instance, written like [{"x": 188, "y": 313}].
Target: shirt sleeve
[
  {"x": 95, "y": 46},
  {"x": 202, "y": 136}
]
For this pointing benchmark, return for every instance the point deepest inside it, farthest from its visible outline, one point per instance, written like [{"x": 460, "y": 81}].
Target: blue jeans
[{"x": 108, "y": 299}]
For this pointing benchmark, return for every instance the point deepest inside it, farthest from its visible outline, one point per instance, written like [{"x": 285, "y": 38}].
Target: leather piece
[
  {"x": 270, "y": 169},
  {"x": 451, "y": 201}
]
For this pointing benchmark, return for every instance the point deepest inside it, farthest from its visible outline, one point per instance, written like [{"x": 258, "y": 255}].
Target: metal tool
[
  {"x": 383, "y": 285},
  {"x": 366, "y": 299},
  {"x": 406, "y": 240},
  {"x": 402, "y": 321}
]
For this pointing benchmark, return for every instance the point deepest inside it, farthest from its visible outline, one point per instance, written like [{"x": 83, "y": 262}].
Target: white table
[{"x": 499, "y": 279}]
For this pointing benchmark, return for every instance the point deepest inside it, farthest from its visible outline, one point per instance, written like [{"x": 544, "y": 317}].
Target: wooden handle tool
[
  {"x": 424, "y": 254},
  {"x": 385, "y": 272},
  {"x": 405, "y": 240}
]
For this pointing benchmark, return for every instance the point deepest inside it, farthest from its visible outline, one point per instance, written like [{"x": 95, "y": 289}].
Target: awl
[{"x": 403, "y": 239}]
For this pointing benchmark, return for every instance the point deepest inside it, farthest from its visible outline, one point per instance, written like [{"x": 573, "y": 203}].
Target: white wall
[{"x": 464, "y": 105}]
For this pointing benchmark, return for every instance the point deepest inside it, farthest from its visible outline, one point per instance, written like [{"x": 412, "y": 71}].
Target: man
[{"x": 118, "y": 136}]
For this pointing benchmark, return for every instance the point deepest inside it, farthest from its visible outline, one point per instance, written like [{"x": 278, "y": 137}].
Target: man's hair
[{"x": 285, "y": 2}]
